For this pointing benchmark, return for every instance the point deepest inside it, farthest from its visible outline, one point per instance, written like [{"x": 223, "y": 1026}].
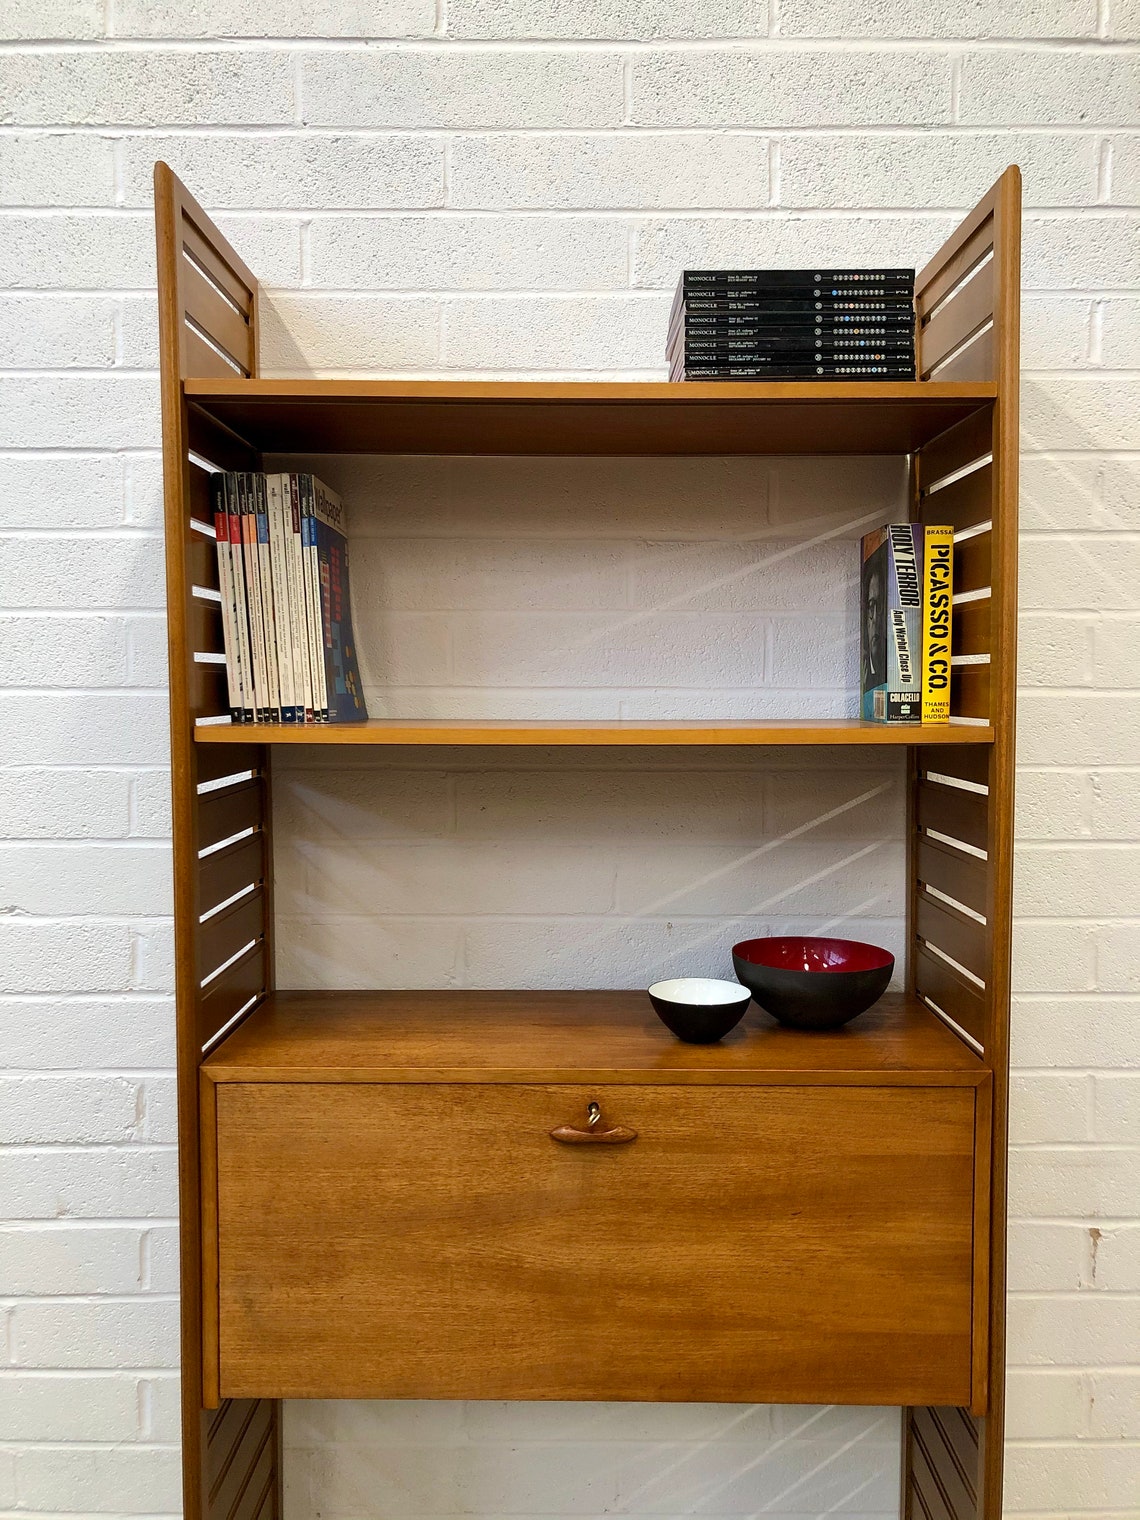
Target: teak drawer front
[{"x": 782, "y": 1244}]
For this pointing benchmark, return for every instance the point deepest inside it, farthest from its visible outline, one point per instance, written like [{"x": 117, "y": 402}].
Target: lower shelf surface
[{"x": 512, "y": 1036}]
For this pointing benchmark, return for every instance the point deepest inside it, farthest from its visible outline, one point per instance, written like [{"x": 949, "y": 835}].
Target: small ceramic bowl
[
  {"x": 813, "y": 983},
  {"x": 698, "y": 1009}
]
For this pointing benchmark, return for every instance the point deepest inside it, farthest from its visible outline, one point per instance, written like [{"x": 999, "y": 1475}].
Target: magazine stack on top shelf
[{"x": 792, "y": 324}]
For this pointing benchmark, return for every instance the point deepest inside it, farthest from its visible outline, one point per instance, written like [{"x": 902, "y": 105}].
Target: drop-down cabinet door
[{"x": 480, "y": 1240}]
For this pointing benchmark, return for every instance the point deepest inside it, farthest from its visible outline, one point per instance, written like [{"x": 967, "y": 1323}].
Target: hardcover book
[
  {"x": 905, "y": 612},
  {"x": 344, "y": 695}
]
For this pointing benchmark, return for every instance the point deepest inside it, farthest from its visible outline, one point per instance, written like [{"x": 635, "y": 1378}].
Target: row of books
[
  {"x": 906, "y": 588},
  {"x": 286, "y": 614},
  {"x": 792, "y": 324}
]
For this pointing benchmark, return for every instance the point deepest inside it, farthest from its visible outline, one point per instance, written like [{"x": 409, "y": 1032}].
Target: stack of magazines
[
  {"x": 286, "y": 616},
  {"x": 792, "y": 324}
]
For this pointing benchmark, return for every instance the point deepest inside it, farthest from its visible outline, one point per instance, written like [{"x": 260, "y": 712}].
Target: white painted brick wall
[{"x": 497, "y": 187}]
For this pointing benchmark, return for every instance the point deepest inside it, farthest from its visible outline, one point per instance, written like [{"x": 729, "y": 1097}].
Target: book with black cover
[
  {"x": 744, "y": 370},
  {"x": 693, "y": 279},
  {"x": 795, "y": 306},
  {"x": 902, "y": 321},
  {"x": 703, "y": 344}
]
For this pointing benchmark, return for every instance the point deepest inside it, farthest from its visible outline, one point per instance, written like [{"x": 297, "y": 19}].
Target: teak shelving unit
[{"x": 371, "y": 1203}]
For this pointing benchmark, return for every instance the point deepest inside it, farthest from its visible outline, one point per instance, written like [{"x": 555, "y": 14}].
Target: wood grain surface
[
  {"x": 587, "y": 417},
  {"x": 785, "y": 1244},
  {"x": 609, "y": 1037},
  {"x": 599, "y": 731}
]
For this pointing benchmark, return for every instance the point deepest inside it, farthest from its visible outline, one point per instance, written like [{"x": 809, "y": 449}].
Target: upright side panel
[
  {"x": 961, "y": 799},
  {"x": 208, "y": 326}
]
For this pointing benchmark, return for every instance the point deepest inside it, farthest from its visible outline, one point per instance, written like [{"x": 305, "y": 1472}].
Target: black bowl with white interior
[{"x": 698, "y": 1009}]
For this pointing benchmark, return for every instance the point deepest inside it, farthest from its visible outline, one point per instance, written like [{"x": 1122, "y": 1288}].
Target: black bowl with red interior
[{"x": 812, "y": 983}]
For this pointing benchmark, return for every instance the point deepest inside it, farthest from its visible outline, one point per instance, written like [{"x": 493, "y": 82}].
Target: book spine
[
  {"x": 342, "y": 672},
  {"x": 937, "y": 618},
  {"x": 253, "y": 594},
  {"x": 799, "y": 305},
  {"x": 794, "y": 324},
  {"x": 302, "y": 683},
  {"x": 268, "y": 611},
  {"x": 241, "y": 600},
  {"x": 792, "y": 372},
  {"x": 904, "y": 624},
  {"x": 313, "y": 586},
  {"x": 237, "y": 585},
  {"x": 284, "y": 639},
  {"x": 850, "y": 279},
  {"x": 226, "y": 591},
  {"x": 328, "y": 520},
  {"x": 806, "y": 348}
]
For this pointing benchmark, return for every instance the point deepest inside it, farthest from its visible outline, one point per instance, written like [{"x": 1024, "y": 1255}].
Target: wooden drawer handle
[{"x": 593, "y": 1134}]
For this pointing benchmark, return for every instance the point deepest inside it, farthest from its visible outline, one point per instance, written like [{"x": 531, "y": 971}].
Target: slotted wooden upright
[{"x": 292, "y": 1106}]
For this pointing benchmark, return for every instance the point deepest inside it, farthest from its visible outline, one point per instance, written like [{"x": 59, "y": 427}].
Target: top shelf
[{"x": 586, "y": 418}]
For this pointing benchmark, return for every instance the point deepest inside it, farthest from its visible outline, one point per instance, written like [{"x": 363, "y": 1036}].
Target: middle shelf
[{"x": 605, "y": 731}]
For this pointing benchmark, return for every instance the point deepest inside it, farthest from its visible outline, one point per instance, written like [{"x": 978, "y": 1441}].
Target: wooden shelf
[
  {"x": 511, "y": 417},
  {"x": 614, "y": 732},
  {"x": 574, "y": 1037}
]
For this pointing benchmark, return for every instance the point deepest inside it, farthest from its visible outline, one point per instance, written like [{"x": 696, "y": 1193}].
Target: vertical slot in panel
[
  {"x": 956, "y": 875},
  {"x": 970, "y": 691},
  {"x": 970, "y": 627},
  {"x": 204, "y": 626},
  {"x": 213, "y": 314},
  {"x": 233, "y": 993},
  {"x": 972, "y": 563},
  {"x": 949, "y": 810},
  {"x": 948, "y": 932},
  {"x": 955, "y": 261},
  {"x": 947, "y": 992},
  {"x": 235, "y": 869},
  {"x": 957, "y": 320},
  {"x": 201, "y": 242},
  {"x": 223, "y": 937},
  {"x": 963, "y": 503},
  {"x": 964, "y": 762},
  {"x": 965, "y": 444},
  {"x": 975, "y": 360},
  {"x": 203, "y": 361},
  {"x": 215, "y": 766},
  {"x": 223, "y": 814}
]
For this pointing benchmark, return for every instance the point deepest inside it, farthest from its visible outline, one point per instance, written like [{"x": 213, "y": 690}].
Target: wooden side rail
[
  {"x": 961, "y": 799},
  {"x": 207, "y": 301}
]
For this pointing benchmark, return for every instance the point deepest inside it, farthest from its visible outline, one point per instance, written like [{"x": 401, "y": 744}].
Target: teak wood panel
[
  {"x": 556, "y": 1037},
  {"x": 587, "y": 417},
  {"x": 787, "y": 1244},
  {"x": 207, "y": 301},
  {"x": 968, "y": 301},
  {"x": 600, "y": 731}
]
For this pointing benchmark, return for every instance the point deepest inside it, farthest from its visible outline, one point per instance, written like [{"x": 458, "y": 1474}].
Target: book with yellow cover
[{"x": 937, "y": 611}]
